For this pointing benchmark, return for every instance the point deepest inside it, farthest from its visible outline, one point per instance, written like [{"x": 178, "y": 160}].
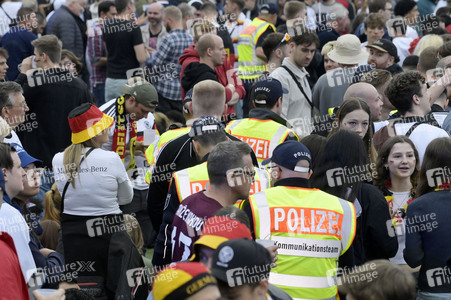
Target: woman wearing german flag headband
[{"x": 93, "y": 183}]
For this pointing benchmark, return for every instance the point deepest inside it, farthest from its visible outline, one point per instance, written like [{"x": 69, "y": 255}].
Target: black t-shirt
[
  {"x": 263, "y": 36},
  {"x": 120, "y": 37}
]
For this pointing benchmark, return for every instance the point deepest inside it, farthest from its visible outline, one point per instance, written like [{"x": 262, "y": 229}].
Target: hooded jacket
[
  {"x": 266, "y": 114},
  {"x": 191, "y": 55},
  {"x": 196, "y": 72}
]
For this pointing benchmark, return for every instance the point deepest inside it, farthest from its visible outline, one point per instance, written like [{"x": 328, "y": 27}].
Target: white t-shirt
[
  {"x": 101, "y": 186},
  {"x": 421, "y": 136},
  {"x": 11, "y": 8},
  {"x": 12, "y": 222},
  {"x": 411, "y": 33},
  {"x": 400, "y": 201},
  {"x": 403, "y": 45}
]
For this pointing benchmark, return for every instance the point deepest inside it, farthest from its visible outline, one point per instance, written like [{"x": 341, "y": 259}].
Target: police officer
[
  {"x": 311, "y": 228},
  {"x": 265, "y": 128},
  {"x": 206, "y": 132}
]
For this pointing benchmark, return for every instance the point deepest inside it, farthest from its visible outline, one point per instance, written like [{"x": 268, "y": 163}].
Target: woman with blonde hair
[
  {"x": 93, "y": 183},
  {"x": 430, "y": 40},
  {"x": 5, "y": 129},
  {"x": 52, "y": 204}
]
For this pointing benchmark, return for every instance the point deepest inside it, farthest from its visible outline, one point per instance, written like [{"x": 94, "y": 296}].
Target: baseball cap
[
  {"x": 205, "y": 125},
  {"x": 181, "y": 280},
  {"x": 385, "y": 46},
  {"x": 288, "y": 154},
  {"x": 219, "y": 229},
  {"x": 271, "y": 88},
  {"x": 144, "y": 92},
  {"x": 25, "y": 158},
  {"x": 241, "y": 261},
  {"x": 269, "y": 8}
]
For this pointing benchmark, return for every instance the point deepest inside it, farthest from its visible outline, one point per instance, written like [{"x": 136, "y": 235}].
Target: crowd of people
[{"x": 209, "y": 150}]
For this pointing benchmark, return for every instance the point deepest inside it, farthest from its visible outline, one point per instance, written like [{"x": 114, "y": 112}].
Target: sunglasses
[{"x": 286, "y": 38}]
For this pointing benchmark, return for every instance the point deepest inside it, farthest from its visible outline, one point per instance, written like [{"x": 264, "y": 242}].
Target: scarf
[{"x": 120, "y": 134}]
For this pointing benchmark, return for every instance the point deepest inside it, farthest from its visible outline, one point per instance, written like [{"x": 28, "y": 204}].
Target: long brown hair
[
  {"x": 347, "y": 107},
  {"x": 383, "y": 174},
  {"x": 437, "y": 156}
]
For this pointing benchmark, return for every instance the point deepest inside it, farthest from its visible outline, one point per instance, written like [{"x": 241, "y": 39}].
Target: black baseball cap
[
  {"x": 241, "y": 261},
  {"x": 385, "y": 46}
]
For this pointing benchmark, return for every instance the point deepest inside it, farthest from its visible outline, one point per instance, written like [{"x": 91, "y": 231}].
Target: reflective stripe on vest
[
  {"x": 152, "y": 153},
  {"x": 302, "y": 281},
  {"x": 256, "y": 133},
  {"x": 250, "y": 66},
  {"x": 312, "y": 229},
  {"x": 192, "y": 180}
]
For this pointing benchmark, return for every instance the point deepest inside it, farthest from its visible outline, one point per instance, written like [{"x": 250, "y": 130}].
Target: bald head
[
  {"x": 156, "y": 7},
  {"x": 207, "y": 41},
  {"x": 155, "y": 14},
  {"x": 371, "y": 96},
  {"x": 208, "y": 99}
]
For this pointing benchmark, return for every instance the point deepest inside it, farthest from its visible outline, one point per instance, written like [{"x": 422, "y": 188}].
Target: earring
[{"x": 386, "y": 167}]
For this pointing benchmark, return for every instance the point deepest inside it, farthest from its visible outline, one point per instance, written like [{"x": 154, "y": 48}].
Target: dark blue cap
[
  {"x": 288, "y": 154},
  {"x": 269, "y": 8},
  {"x": 25, "y": 158},
  {"x": 271, "y": 88}
]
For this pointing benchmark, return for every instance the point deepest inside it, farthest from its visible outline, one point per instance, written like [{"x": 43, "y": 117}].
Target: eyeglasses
[
  {"x": 286, "y": 38},
  {"x": 23, "y": 105}
]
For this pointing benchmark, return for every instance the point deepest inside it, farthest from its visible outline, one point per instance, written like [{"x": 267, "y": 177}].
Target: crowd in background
[{"x": 209, "y": 150}]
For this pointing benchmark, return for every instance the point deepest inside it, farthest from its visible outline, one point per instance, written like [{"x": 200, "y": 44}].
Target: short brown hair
[
  {"x": 173, "y": 12},
  {"x": 307, "y": 37},
  {"x": 201, "y": 27},
  {"x": 240, "y": 3},
  {"x": 382, "y": 280},
  {"x": 50, "y": 45},
  {"x": 428, "y": 59},
  {"x": 292, "y": 8},
  {"x": 401, "y": 89},
  {"x": 73, "y": 58},
  {"x": 376, "y": 5},
  {"x": 374, "y": 20},
  {"x": 4, "y": 53},
  {"x": 377, "y": 77}
]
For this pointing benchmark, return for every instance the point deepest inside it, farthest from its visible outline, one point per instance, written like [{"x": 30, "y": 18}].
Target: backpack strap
[
  {"x": 68, "y": 182},
  {"x": 298, "y": 84}
]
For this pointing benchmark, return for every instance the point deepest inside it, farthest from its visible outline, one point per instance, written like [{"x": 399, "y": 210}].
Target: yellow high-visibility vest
[
  {"x": 312, "y": 229},
  {"x": 192, "y": 180},
  {"x": 250, "y": 66},
  {"x": 152, "y": 152},
  {"x": 262, "y": 135}
]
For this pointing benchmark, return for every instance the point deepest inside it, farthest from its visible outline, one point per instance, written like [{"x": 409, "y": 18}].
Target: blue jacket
[{"x": 427, "y": 240}]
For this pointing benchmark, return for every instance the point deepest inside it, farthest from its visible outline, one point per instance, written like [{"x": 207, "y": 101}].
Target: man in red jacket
[{"x": 225, "y": 72}]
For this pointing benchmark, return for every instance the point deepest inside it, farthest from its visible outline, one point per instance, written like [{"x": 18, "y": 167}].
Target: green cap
[{"x": 144, "y": 92}]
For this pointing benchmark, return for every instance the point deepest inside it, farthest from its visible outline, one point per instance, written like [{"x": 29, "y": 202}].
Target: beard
[{"x": 168, "y": 28}]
